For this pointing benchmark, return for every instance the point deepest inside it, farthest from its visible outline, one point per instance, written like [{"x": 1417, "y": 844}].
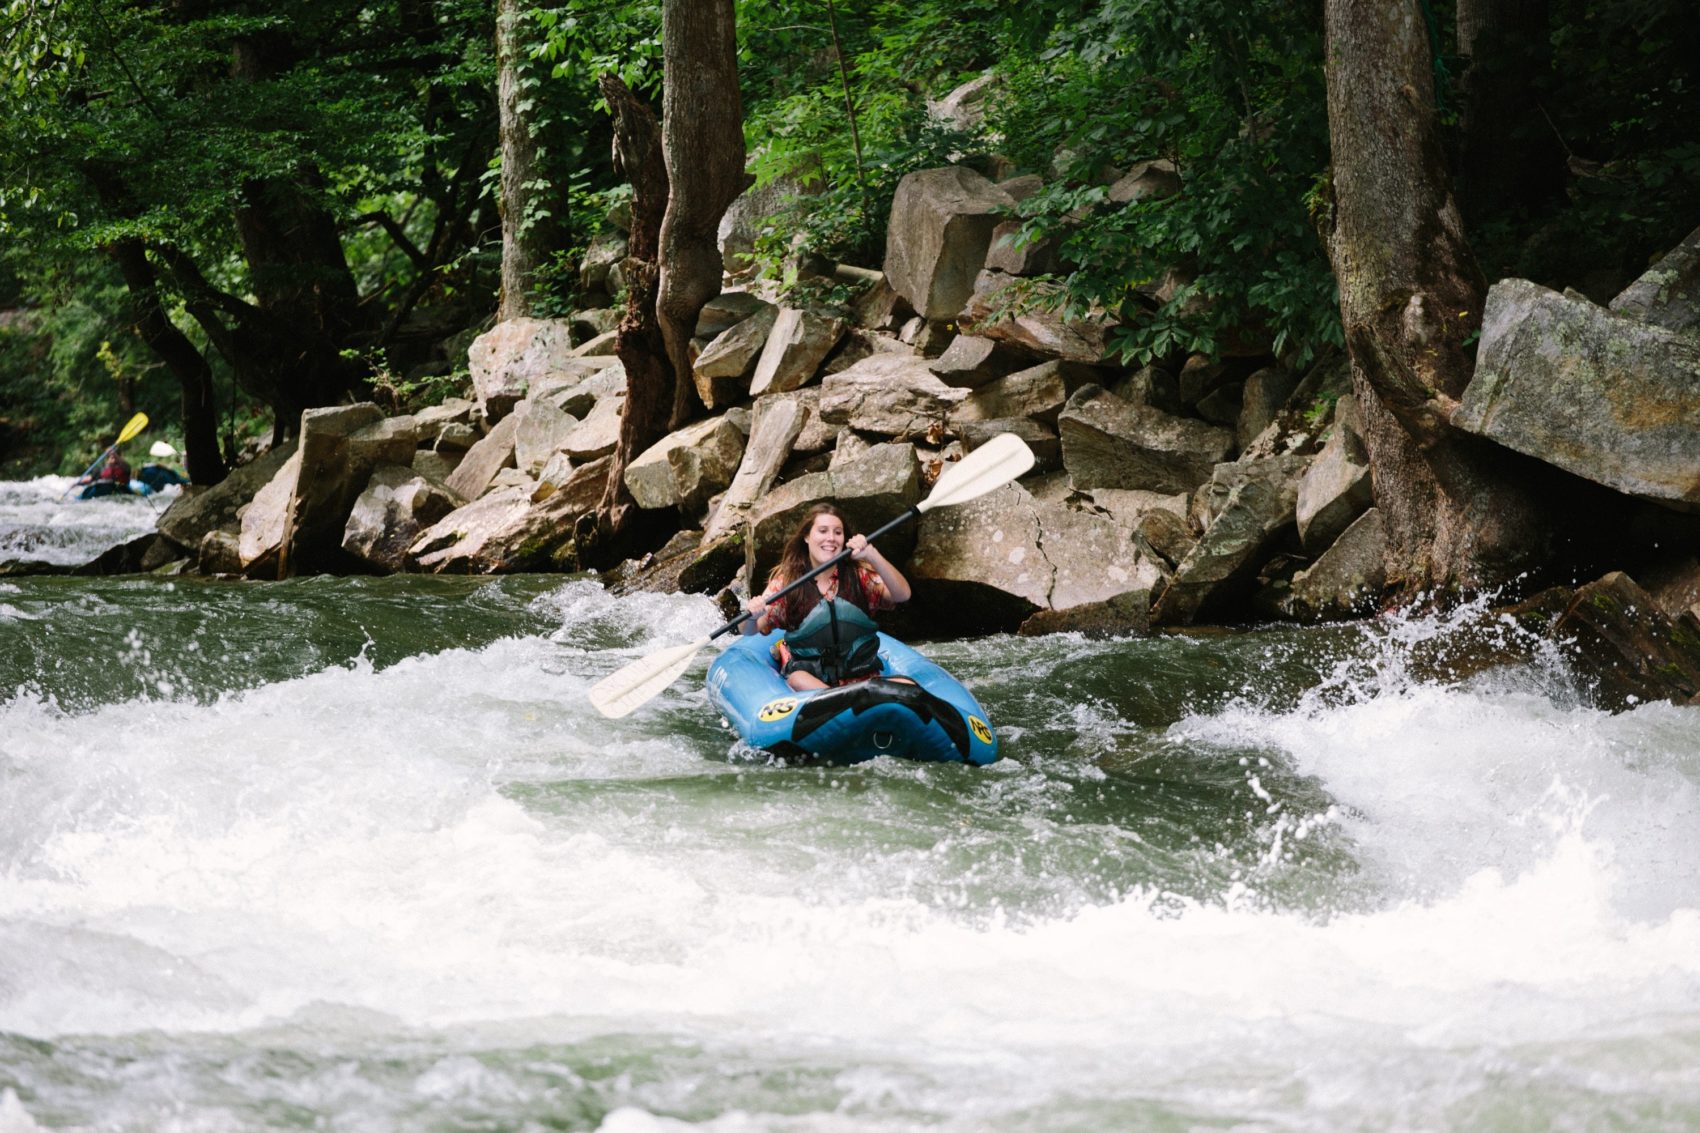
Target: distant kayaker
[
  {"x": 115, "y": 470},
  {"x": 864, "y": 583}
]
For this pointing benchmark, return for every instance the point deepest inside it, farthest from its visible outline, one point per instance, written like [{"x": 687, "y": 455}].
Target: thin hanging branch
[{"x": 849, "y": 105}]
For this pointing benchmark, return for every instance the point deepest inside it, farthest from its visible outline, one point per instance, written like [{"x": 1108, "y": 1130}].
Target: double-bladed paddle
[{"x": 989, "y": 467}]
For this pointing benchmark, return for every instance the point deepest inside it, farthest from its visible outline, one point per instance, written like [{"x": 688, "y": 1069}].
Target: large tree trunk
[
  {"x": 154, "y": 327},
  {"x": 703, "y": 138},
  {"x": 1511, "y": 159},
  {"x": 293, "y": 357},
  {"x": 619, "y": 527},
  {"x": 528, "y": 235},
  {"x": 1410, "y": 299}
]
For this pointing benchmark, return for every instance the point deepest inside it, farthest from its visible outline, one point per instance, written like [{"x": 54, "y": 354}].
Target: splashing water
[{"x": 358, "y": 854}]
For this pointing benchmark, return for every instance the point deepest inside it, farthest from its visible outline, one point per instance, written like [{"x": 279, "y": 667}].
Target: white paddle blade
[
  {"x": 622, "y": 691},
  {"x": 999, "y": 461},
  {"x": 161, "y": 448}
]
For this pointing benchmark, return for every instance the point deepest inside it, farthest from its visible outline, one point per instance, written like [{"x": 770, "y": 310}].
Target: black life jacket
[{"x": 836, "y": 642}]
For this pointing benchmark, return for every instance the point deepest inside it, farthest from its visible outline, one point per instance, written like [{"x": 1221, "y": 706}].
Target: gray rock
[
  {"x": 599, "y": 433},
  {"x": 191, "y": 517},
  {"x": 340, "y": 446},
  {"x": 797, "y": 344},
  {"x": 970, "y": 361},
  {"x": 606, "y": 250},
  {"x": 264, "y": 522},
  {"x": 1146, "y": 181},
  {"x": 891, "y": 395},
  {"x": 1668, "y": 293},
  {"x": 1037, "y": 325},
  {"x": 603, "y": 345},
  {"x": 1047, "y": 449},
  {"x": 542, "y": 432},
  {"x": 941, "y": 227},
  {"x": 776, "y": 425},
  {"x": 1263, "y": 396},
  {"x": 722, "y": 371},
  {"x": 1221, "y": 568},
  {"x": 1598, "y": 394},
  {"x": 1111, "y": 443},
  {"x": 389, "y": 515},
  {"x": 473, "y": 476},
  {"x": 1009, "y": 253},
  {"x": 512, "y": 355},
  {"x": 998, "y": 560},
  {"x": 505, "y": 531},
  {"x": 727, "y": 310},
  {"x": 1038, "y": 392},
  {"x": 685, "y": 468},
  {"x": 1350, "y": 576},
  {"x": 1335, "y": 490},
  {"x": 743, "y": 220}
]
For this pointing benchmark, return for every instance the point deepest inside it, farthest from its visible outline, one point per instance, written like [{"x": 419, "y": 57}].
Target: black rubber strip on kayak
[{"x": 863, "y": 695}]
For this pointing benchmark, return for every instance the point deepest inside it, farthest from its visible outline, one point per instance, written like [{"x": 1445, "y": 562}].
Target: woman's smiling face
[{"x": 825, "y": 538}]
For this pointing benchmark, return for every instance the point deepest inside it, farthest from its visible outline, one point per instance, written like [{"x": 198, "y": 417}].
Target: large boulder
[
  {"x": 1026, "y": 313},
  {"x": 505, "y": 531},
  {"x": 1633, "y": 651},
  {"x": 742, "y": 222},
  {"x": 543, "y": 431},
  {"x": 1108, "y": 442},
  {"x": 970, "y": 361},
  {"x": 512, "y": 355},
  {"x": 1599, "y": 394},
  {"x": 722, "y": 371},
  {"x": 685, "y": 467},
  {"x": 1335, "y": 490},
  {"x": 891, "y": 395},
  {"x": 396, "y": 506},
  {"x": 340, "y": 446},
  {"x": 776, "y": 423},
  {"x": 1221, "y": 567},
  {"x": 191, "y": 517},
  {"x": 264, "y": 522},
  {"x": 797, "y": 344},
  {"x": 477, "y": 469},
  {"x": 1348, "y": 578},
  {"x": 1012, "y": 558},
  {"x": 1668, "y": 293},
  {"x": 1038, "y": 392},
  {"x": 941, "y": 227}
]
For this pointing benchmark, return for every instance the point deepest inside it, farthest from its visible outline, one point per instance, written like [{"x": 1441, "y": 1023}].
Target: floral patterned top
[{"x": 779, "y": 613}]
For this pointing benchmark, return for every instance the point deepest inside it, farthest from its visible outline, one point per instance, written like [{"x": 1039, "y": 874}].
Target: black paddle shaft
[{"x": 914, "y": 512}]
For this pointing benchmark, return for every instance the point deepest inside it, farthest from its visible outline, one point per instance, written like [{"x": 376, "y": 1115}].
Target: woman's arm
[{"x": 896, "y": 586}]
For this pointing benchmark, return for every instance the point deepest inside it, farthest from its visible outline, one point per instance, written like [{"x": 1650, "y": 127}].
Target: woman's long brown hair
[{"x": 794, "y": 563}]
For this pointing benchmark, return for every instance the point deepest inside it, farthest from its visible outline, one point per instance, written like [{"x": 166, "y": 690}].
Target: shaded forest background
[{"x": 260, "y": 211}]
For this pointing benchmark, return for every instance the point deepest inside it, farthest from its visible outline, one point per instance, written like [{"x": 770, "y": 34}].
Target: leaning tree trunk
[
  {"x": 155, "y": 328},
  {"x": 528, "y": 233},
  {"x": 703, "y": 139},
  {"x": 1410, "y": 300},
  {"x": 618, "y": 527}
]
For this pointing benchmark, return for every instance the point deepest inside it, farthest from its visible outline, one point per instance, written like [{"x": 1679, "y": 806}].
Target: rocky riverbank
[{"x": 1183, "y": 492}]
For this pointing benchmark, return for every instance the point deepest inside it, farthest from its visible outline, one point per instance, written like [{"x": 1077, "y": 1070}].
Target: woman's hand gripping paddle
[{"x": 989, "y": 467}]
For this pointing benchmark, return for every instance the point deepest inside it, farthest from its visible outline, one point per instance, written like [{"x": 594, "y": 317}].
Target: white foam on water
[
  {"x": 459, "y": 841},
  {"x": 39, "y": 524}
]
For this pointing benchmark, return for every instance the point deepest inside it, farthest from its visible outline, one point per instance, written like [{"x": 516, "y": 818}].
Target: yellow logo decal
[
  {"x": 777, "y": 709},
  {"x": 981, "y": 731}
]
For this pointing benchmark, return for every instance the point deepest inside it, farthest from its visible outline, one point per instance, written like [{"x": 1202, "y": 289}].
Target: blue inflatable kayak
[{"x": 929, "y": 716}]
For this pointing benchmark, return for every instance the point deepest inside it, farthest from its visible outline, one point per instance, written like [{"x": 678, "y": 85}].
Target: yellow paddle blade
[
  {"x": 135, "y": 425},
  {"x": 623, "y": 690}
]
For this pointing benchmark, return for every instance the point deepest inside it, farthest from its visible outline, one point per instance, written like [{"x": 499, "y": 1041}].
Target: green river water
[{"x": 356, "y": 854}]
